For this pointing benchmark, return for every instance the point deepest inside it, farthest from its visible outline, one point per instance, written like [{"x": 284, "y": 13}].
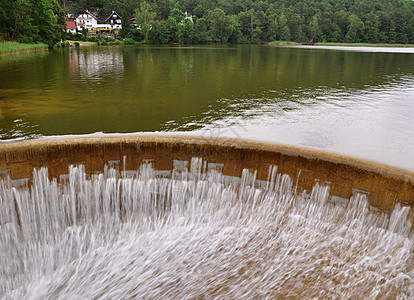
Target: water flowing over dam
[{"x": 195, "y": 232}]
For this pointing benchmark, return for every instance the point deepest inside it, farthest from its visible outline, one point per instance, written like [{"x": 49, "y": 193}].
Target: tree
[
  {"x": 24, "y": 29},
  {"x": 372, "y": 30},
  {"x": 199, "y": 11},
  {"x": 273, "y": 31},
  {"x": 336, "y": 35},
  {"x": 200, "y": 29},
  {"x": 177, "y": 15},
  {"x": 32, "y": 21},
  {"x": 48, "y": 17},
  {"x": 126, "y": 28},
  {"x": 259, "y": 26},
  {"x": 144, "y": 17},
  {"x": 168, "y": 31},
  {"x": 246, "y": 25},
  {"x": 392, "y": 34},
  {"x": 315, "y": 31},
  {"x": 223, "y": 29},
  {"x": 7, "y": 18},
  {"x": 313, "y": 20},
  {"x": 186, "y": 33},
  {"x": 284, "y": 28},
  {"x": 356, "y": 29}
]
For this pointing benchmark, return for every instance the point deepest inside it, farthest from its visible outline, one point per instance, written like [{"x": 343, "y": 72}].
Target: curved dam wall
[{"x": 384, "y": 185}]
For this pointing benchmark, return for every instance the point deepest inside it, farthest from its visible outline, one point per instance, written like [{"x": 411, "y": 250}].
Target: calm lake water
[{"x": 358, "y": 102}]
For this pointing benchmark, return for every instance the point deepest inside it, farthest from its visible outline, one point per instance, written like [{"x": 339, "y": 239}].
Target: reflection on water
[
  {"x": 95, "y": 65},
  {"x": 357, "y": 103}
]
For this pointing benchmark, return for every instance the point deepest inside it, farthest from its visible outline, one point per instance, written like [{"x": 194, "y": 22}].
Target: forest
[
  {"x": 222, "y": 21},
  {"x": 31, "y": 21}
]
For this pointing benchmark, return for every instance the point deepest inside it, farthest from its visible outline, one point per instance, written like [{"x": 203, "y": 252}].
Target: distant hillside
[
  {"x": 371, "y": 21},
  {"x": 221, "y": 21}
]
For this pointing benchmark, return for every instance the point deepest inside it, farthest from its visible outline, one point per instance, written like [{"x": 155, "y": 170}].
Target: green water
[{"x": 354, "y": 102}]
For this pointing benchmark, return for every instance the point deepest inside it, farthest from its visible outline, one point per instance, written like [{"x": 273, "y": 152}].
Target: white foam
[{"x": 192, "y": 233}]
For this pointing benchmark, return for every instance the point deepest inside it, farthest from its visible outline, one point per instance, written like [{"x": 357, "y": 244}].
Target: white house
[
  {"x": 87, "y": 19},
  {"x": 90, "y": 22},
  {"x": 101, "y": 27},
  {"x": 79, "y": 26},
  {"x": 70, "y": 27},
  {"x": 114, "y": 20}
]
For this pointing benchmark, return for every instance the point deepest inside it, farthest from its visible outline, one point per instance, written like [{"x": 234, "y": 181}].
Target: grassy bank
[
  {"x": 363, "y": 45},
  {"x": 286, "y": 43},
  {"x": 81, "y": 43},
  {"x": 283, "y": 43},
  {"x": 11, "y": 47}
]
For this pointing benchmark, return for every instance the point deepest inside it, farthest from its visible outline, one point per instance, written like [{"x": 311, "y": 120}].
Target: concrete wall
[{"x": 384, "y": 184}]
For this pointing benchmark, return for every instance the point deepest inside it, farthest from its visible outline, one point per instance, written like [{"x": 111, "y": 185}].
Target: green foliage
[
  {"x": 93, "y": 39},
  {"x": 84, "y": 34},
  {"x": 177, "y": 15},
  {"x": 315, "y": 31},
  {"x": 136, "y": 35},
  {"x": 273, "y": 29},
  {"x": 115, "y": 42},
  {"x": 356, "y": 29},
  {"x": 125, "y": 32},
  {"x": 222, "y": 21},
  {"x": 168, "y": 31},
  {"x": 32, "y": 21},
  {"x": 199, "y": 11},
  {"x": 144, "y": 18},
  {"x": 200, "y": 28},
  {"x": 129, "y": 41},
  {"x": 223, "y": 28},
  {"x": 284, "y": 29},
  {"x": 186, "y": 33}
]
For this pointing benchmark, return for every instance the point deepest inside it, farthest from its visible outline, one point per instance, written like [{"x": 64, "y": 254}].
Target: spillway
[{"x": 152, "y": 217}]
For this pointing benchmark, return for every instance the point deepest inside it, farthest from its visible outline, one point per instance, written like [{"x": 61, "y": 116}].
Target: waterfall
[{"x": 193, "y": 233}]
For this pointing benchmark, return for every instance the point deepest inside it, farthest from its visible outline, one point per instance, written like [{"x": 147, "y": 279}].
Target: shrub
[
  {"x": 129, "y": 41},
  {"x": 92, "y": 39},
  {"x": 116, "y": 42}
]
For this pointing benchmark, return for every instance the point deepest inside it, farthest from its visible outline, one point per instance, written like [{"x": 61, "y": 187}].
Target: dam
[{"x": 150, "y": 217}]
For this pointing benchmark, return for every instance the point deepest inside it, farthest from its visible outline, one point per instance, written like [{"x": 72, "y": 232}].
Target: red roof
[{"x": 70, "y": 25}]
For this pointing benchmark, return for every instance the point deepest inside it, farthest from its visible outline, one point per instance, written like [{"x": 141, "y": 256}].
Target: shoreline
[
  {"x": 81, "y": 43},
  {"x": 374, "y": 48},
  {"x": 371, "y": 49},
  {"x": 22, "y": 52},
  {"x": 277, "y": 43},
  {"x": 7, "y": 48},
  {"x": 380, "y": 45},
  {"x": 365, "y": 45}
]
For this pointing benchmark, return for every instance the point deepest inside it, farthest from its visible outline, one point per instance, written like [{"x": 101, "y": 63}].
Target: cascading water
[{"x": 194, "y": 233}]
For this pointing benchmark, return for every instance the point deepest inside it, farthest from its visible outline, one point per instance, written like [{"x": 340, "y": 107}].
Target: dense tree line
[
  {"x": 31, "y": 21},
  {"x": 222, "y": 21},
  {"x": 243, "y": 21}
]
